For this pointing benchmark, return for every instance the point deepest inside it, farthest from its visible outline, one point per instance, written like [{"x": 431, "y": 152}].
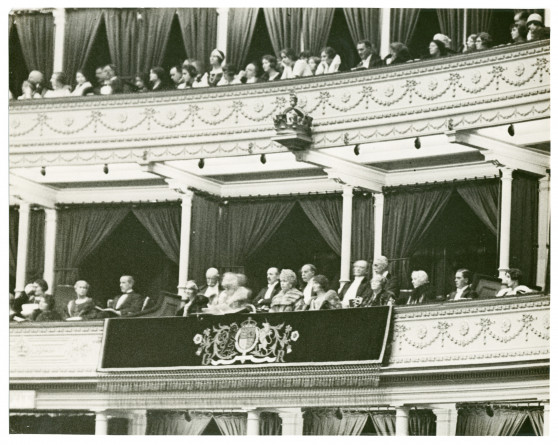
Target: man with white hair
[
  {"x": 356, "y": 288},
  {"x": 380, "y": 267},
  {"x": 129, "y": 302},
  {"x": 212, "y": 288}
]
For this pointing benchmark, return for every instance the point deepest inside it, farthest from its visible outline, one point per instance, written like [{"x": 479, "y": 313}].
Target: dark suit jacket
[
  {"x": 260, "y": 301},
  {"x": 200, "y": 302},
  {"x": 467, "y": 293},
  {"x": 392, "y": 284},
  {"x": 423, "y": 294},
  {"x": 375, "y": 62},
  {"x": 362, "y": 288},
  {"x": 131, "y": 306},
  {"x": 202, "y": 289}
]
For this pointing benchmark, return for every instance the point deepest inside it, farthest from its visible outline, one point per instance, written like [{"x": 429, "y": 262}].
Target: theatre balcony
[{"x": 426, "y": 357}]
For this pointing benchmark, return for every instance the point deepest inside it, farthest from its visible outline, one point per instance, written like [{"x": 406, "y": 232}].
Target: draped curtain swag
[
  {"x": 326, "y": 213},
  {"x": 407, "y": 217},
  {"x": 403, "y": 22},
  {"x": 316, "y": 25},
  {"x": 240, "y": 30},
  {"x": 384, "y": 423},
  {"x": 122, "y": 36},
  {"x": 482, "y": 197},
  {"x": 199, "y": 32},
  {"x": 80, "y": 231},
  {"x": 203, "y": 237},
  {"x": 175, "y": 423},
  {"x": 270, "y": 424},
  {"x": 479, "y": 20},
  {"x": 36, "y": 36},
  {"x": 324, "y": 422},
  {"x": 154, "y": 35},
  {"x": 362, "y": 241},
  {"x": 524, "y": 225},
  {"x": 81, "y": 29},
  {"x": 364, "y": 24},
  {"x": 14, "y": 229},
  {"x": 231, "y": 424},
  {"x": 285, "y": 27},
  {"x": 163, "y": 222},
  {"x": 536, "y": 416},
  {"x": 36, "y": 245},
  {"x": 452, "y": 24},
  {"x": 422, "y": 423},
  {"x": 475, "y": 421}
]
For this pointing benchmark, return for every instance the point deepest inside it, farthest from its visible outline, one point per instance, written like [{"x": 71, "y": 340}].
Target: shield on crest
[{"x": 246, "y": 338}]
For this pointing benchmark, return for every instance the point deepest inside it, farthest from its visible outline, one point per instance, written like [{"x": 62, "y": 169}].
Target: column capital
[
  {"x": 544, "y": 183},
  {"x": 24, "y": 206},
  {"x": 181, "y": 189},
  {"x": 347, "y": 191},
  {"x": 379, "y": 199},
  {"x": 59, "y": 15},
  {"x": 506, "y": 173}
]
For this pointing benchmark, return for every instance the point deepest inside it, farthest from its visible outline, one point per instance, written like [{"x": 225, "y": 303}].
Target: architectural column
[
  {"x": 253, "y": 423},
  {"x": 385, "y": 27},
  {"x": 187, "y": 196},
  {"x": 101, "y": 423},
  {"x": 222, "y": 25},
  {"x": 547, "y": 17},
  {"x": 465, "y": 27},
  {"x": 505, "y": 220},
  {"x": 137, "y": 423},
  {"x": 543, "y": 231},
  {"x": 23, "y": 239},
  {"x": 51, "y": 218},
  {"x": 346, "y": 230},
  {"x": 446, "y": 420},
  {"x": 378, "y": 223},
  {"x": 546, "y": 419},
  {"x": 402, "y": 421},
  {"x": 59, "y": 27},
  {"x": 292, "y": 422}
]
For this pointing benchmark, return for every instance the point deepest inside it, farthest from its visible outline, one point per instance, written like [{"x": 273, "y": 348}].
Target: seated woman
[
  {"x": 301, "y": 67},
  {"x": 229, "y": 76},
  {"x": 82, "y": 307},
  {"x": 232, "y": 298},
  {"x": 212, "y": 78},
  {"x": 313, "y": 62},
  {"x": 398, "y": 53},
  {"x": 518, "y": 33},
  {"x": 437, "y": 49},
  {"x": 46, "y": 310},
  {"x": 59, "y": 86},
  {"x": 158, "y": 79},
  {"x": 471, "y": 44},
  {"x": 270, "y": 69},
  {"x": 192, "y": 302},
  {"x": 484, "y": 41},
  {"x": 83, "y": 86},
  {"x": 378, "y": 295},
  {"x": 141, "y": 81},
  {"x": 325, "y": 297},
  {"x": 330, "y": 61},
  {"x": 289, "y": 299},
  {"x": 189, "y": 74},
  {"x": 423, "y": 291},
  {"x": 511, "y": 282},
  {"x": 288, "y": 60}
]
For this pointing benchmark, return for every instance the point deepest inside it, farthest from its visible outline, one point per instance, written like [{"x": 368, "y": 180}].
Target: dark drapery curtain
[
  {"x": 203, "y": 237},
  {"x": 316, "y": 25},
  {"x": 270, "y": 424},
  {"x": 325, "y": 422},
  {"x": 326, "y": 213},
  {"x": 248, "y": 225},
  {"x": 364, "y": 24},
  {"x": 482, "y": 197},
  {"x": 199, "y": 32},
  {"x": 408, "y": 214},
  {"x": 231, "y": 424},
  {"x": 451, "y": 24},
  {"x": 36, "y": 36},
  {"x": 154, "y": 33},
  {"x": 422, "y": 423},
  {"x": 14, "y": 229},
  {"x": 475, "y": 421},
  {"x": 122, "y": 36},
  {"x": 362, "y": 241},
  {"x": 479, "y": 20},
  {"x": 240, "y": 30},
  {"x": 175, "y": 423},
  {"x": 81, "y": 28},
  {"x": 284, "y": 26},
  {"x": 67, "y": 423},
  {"x": 524, "y": 225},
  {"x": 79, "y": 231},
  {"x": 163, "y": 222},
  {"x": 36, "y": 245},
  {"x": 536, "y": 416},
  {"x": 403, "y": 22}
]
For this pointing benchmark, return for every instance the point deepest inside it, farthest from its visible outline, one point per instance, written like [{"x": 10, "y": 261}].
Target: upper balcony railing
[{"x": 501, "y": 85}]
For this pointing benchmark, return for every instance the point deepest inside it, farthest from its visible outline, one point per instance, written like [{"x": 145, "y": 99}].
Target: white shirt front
[
  {"x": 213, "y": 290},
  {"x": 366, "y": 62},
  {"x": 122, "y": 299},
  {"x": 308, "y": 291},
  {"x": 459, "y": 292},
  {"x": 351, "y": 293},
  {"x": 269, "y": 291}
]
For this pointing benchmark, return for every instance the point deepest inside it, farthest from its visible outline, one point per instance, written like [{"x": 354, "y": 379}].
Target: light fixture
[
  {"x": 263, "y": 160},
  {"x": 43, "y": 170},
  {"x": 105, "y": 169},
  {"x": 201, "y": 163},
  {"x": 489, "y": 411},
  {"x": 511, "y": 130},
  {"x": 339, "y": 413},
  {"x": 417, "y": 143},
  {"x": 357, "y": 149},
  {"x": 187, "y": 416}
]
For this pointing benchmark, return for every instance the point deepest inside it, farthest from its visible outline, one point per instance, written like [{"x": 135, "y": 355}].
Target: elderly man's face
[
  {"x": 359, "y": 268},
  {"x": 379, "y": 267},
  {"x": 35, "y": 77},
  {"x": 126, "y": 284},
  {"x": 176, "y": 75},
  {"x": 211, "y": 279},
  {"x": 306, "y": 273},
  {"x": 272, "y": 275},
  {"x": 363, "y": 51}
]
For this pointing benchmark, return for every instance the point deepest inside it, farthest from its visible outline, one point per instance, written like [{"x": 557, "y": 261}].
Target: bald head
[
  {"x": 212, "y": 276},
  {"x": 35, "y": 77}
]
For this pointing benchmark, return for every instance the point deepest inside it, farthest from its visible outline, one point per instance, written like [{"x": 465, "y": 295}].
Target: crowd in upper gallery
[
  {"x": 283, "y": 293},
  {"x": 288, "y": 65}
]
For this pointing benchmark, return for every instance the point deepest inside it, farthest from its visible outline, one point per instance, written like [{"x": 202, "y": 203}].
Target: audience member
[
  {"x": 46, "y": 311},
  {"x": 446, "y": 41},
  {"x": 511, "y": 280},
  {"x": 368, "y": 54},
  {"x": 330, "y": 61},
  {"x": 37, "y": 79},
  {"x": 112, "y": 83},
  {"x": 325, "y": 298},
  {"x": 289, "y": 299},
  {"x": 356, "y": 288},
  {"x": 423, "y": 291},
  {"x": 192, "y": 301},
  {"x": 199, "y": 70},
  {"x": 212, "y": 288},
  {"x": 313, "y": 62},
  {"x": 141, "y": 81},
  {"x": 463, "y": 281},
  {"x": 302, "y": 67},
  {"x": 27, "y": 91},
  {"x": 59, "y": 86},
  {"x": 100, "y": 78},
  {"x": 380, "y": 267},
  {"x": 24, "y": 297},
  {"x": 233, "y": 297},
  {"x": 176, "y": 77},
  {"x": 518, "y": 33},
  {"x": 437, "y": 49},
  {"x": 263, "y": 299},
  {"x": 229, "y": 77},
  {"x": 158, "y": 79},
  {"x": 398, "y": 53},
  {"x": 471, "y": 44},
  {"x": 288, "y": 60},
  {"x": 189, "y": 75},
  {"x": 537, "y": 30},
  {"x": 41, "y": 286},
  {"x": 270, "y": 69},
  {"x": 129, "y": 302},
  {"x": 520, "y": 18},
  {"x": 250, "y": 74},
  {"x": 484, "y": 41},
  {"x": 377, "y": 295},
  {"x": 307, "y": 272},
  {"x": 212, "y": 78},
  {"x": 83, "y": 307},
  {"x": 83, "y": 86}
]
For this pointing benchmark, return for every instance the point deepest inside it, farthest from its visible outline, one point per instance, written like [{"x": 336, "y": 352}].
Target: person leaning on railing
[{"x": 511, "y": 280}]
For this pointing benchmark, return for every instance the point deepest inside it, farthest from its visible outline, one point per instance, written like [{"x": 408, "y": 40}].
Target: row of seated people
[
  {"x": 289, "y": 65},
  {"x": 280, "y": 295}
]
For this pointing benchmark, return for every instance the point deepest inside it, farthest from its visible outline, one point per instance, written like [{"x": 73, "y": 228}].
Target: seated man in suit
[
  {"x": 212, "y": 288},
  {"x": 264, "y": 297},
  {"x": 356, "y": 288},
  {"x": 307, "y": 273},
  {"x": 130, "y": 302},
  {"x": 380, "y": 267},
  {"x": 368, "y": 54},
  {"x": 463, "y": 281}
]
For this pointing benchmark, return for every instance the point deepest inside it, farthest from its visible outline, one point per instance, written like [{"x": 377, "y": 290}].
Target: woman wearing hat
[
  {"x": 537, "y": 30},
  {"x": 212, "y": 78}
]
